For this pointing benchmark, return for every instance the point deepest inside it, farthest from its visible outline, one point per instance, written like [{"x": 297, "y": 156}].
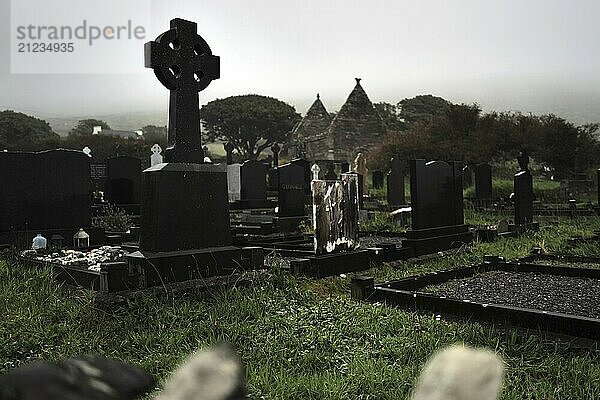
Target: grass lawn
[{"x": 298, "y": 338}]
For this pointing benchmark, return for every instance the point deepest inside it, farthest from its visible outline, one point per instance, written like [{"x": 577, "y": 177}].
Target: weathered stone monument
[
  {"x": 437, "y": 207},
  {"x": 360, "y": 167},
  {"x": 395, "y": 183},
  {"x": 185, "y": 214},
  {"x": 523, "y": 190},
  {"x": 483, "y": 182},
  {"x": 156, "y": 158},
  {"x": 335, "y": 214}
]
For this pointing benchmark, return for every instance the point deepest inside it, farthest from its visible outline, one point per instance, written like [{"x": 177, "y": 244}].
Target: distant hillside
[{"x": 124, "y": 121}]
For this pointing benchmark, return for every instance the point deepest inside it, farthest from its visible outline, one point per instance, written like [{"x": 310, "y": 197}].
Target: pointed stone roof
[
  {"x": 357, "y": 124},
  {"x": 314, "y": 123}
]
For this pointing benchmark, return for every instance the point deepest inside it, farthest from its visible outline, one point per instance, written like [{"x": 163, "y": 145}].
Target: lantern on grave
[
  {"x": 81, "y": 239},
  {"x": 39, "y": 242},
  {"x": 56, "y": 241}
]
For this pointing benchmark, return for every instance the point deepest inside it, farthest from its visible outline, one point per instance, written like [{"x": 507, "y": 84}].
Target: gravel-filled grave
[{"x": 561, "y": 294}]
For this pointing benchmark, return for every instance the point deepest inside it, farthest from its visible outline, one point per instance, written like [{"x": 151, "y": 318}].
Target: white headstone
[
  {"x": 87, "y": 151},
  {"x": 156, "y": 157},
  {"x": 315, "y": 171},
  {"x": 234, "y": 182}
]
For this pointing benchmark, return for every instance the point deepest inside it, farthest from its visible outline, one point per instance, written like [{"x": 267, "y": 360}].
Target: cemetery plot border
[{"x": 408, "y": 293}]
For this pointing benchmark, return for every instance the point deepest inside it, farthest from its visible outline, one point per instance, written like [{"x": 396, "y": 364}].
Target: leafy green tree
[
  {"x": 251, "y": 122},
  {"x": 421, "y": 108},
  {"x": 389, "y": 114},
  {"x": 19, "y": 131},
  {"x": 155, "y": 133},
  {"x": 85, "y": 127}
]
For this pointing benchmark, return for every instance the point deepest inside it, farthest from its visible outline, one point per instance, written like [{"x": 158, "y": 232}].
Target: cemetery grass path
[{"x": 298, "y": 338}]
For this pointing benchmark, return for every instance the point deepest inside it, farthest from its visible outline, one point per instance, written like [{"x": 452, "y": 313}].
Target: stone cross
[
  {"x": 229, "y": 151},
  {"x": 315, "y": 171},
  {"x": 87, "y": 151},
  {"x": 156, "y": 158},
  {"x": 275, "y": 149},
  {"x": 183, "y": 62}
]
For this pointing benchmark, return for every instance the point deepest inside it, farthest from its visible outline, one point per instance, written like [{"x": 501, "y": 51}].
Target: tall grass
[{"x": 298, "y": 338}]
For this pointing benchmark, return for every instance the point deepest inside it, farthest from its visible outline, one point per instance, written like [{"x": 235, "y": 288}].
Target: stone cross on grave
[{"x": 183, "y": 62}]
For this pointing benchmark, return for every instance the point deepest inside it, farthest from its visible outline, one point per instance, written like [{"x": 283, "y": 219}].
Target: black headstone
[
  {"x": 330, "y": 172},
  {"x": 307, "y": 174},
  {"x": 123, "y": 184},
  {"x": 436, "y": 194},
  {"x": 45, "y": 190},
  {"x": 395, "y": 183},
  {"x": 523, "y": 190},
  {"x": 345, "y": 167},
  {"x": 253, "y": 177},
  {"x": 185, "y": 206},
  {"x": 183, "y": 62},
  {"x": 229, "y": 152},
  {"x": 483, "y": 182},
  {"x": 291, "y": 196},
  {"x": 377, "y": 179}
]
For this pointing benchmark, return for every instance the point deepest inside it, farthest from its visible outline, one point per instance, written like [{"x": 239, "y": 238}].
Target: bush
[{"x": 112, "y": 219}]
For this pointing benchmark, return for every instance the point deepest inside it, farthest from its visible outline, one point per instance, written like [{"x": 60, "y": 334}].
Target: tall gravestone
[
  {"x": 44, "y": 191},
  {"x": 523, "y": 189},
  {"x": 290, "y": 188},
  {"x": 483, "y": 181},
  {"x": 335, "y": 212},
  {"x": 234, "y": 182},
  {"x": 437, "y": 207},
  {"x": 123, "y": 184},
  {"x": 253, "y": 181},
  {"x": 395, "y": 183},
  {"x": 307, "y": 175},
  {"x": 185, "y": 213},
  {"x": 275, "y": 149},
  {"x": 377, "y": 178},
  {"x": 360, "y": 167}
]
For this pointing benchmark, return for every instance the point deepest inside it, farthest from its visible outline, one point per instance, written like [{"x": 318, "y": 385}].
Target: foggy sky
[{"x": 536, "y": 56}]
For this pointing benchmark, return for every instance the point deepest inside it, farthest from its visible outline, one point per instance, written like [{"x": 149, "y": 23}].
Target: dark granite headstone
[
  {"x": 123, "y": 184},
  {"x": 483, "y": 181},
  {"x": 45, "y": 190},
  {"x": 523, "y": 190},
  {"x": 345, "y": 167},
  {"x": 330, "y": 172},
  {"x": 307, "y": 173},
  {"x": 253, "y": 178},
  {"x": 185, "y": 207},
  {"x": 377, "y": 179},
  {"x": 183, "y": 62},
  {"x": 437, "y": 207},
  {"x": 290, "y": 196},
  {"x": 395, "y": 183},
  {"x": 436, "y": 194}
]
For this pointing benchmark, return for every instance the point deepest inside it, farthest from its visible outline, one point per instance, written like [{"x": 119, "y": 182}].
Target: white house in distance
[{"x": 122, "y": 134}]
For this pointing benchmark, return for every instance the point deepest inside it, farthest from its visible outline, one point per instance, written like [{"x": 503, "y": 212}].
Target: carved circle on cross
[
  {"x": 181, "y": 58},
  {"x": 156, "y": 149}
]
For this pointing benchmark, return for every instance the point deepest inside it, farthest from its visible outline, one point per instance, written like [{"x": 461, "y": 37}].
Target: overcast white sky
[{"x": 530, "y": 55}]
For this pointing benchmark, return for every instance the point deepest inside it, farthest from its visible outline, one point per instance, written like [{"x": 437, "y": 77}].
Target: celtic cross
[{"x": 184, "y": 64}]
